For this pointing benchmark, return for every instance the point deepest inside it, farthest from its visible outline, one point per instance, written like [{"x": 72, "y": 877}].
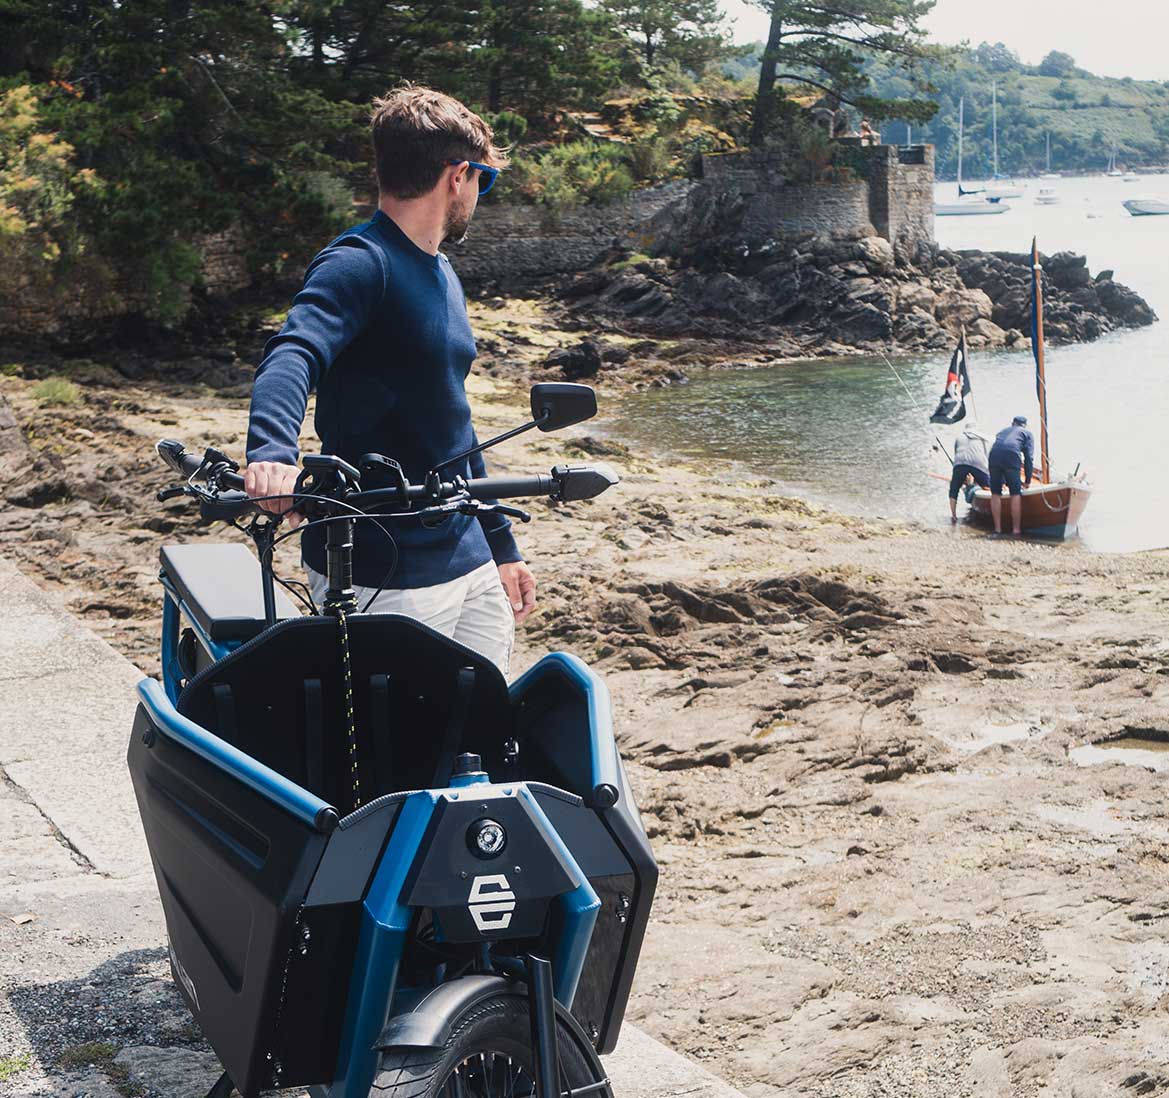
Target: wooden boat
[{"x": 1051, "y": 508}]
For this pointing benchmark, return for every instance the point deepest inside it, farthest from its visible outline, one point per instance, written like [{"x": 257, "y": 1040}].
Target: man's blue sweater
[
  {"x": 380, "y": 330},
  {"x": 1012, "y": 445}
]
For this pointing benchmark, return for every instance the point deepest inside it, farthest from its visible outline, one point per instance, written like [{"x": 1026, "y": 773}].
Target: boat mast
[
  {"x": 1037, "y": 350},
  {"x": 1049, "y": 150},
  {"x": 961, "y": 109},
  {"x": 994, "y": 126}
]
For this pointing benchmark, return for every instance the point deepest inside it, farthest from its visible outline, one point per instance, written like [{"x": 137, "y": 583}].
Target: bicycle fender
[{"x": 423, "y": 1019}]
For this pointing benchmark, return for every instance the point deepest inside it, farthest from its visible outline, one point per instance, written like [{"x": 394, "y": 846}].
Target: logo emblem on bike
[{"x": 491, "y": 902}]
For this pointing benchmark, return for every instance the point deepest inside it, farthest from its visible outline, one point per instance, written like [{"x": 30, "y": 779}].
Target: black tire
[{"x": 486, "y": 1035}]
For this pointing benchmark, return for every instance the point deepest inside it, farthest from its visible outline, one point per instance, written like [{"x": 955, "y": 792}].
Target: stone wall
[
  {"x": 64, "y": 302},
  {"x": 513, "y": 245},
  {"x": 901, "y": 192},
  {"x": 891, "y": 197},
  {"x": 773, "y": 207}
]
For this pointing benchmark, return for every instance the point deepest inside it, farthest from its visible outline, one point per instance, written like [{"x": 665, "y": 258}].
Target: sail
[{"x": 952, "y": 407}]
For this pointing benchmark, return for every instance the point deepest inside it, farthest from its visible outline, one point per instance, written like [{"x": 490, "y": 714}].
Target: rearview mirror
[{"x": 557, "y": 404}]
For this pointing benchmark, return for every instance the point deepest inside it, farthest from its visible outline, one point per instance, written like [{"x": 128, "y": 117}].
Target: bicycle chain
[{"x": 350, "y": 721}]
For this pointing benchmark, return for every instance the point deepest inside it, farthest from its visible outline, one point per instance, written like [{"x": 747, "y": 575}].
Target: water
[
  {"x": 1132, "y": 750},
  {"x": 846, "y": 434}
]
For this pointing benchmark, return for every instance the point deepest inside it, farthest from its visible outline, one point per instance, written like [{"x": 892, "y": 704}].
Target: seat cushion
[{"x": 220, "y": 585}]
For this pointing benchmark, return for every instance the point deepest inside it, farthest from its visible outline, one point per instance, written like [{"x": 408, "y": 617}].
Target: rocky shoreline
[
  {"x": 831, "y": 296},
  {"x": 882, "y": 872}
]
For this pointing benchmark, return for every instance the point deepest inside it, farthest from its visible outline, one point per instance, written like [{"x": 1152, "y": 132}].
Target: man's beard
[{"x": 458, "y": 221}]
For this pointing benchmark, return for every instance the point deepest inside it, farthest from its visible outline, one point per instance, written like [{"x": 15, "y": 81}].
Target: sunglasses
[{"x": 487, "y": 174}]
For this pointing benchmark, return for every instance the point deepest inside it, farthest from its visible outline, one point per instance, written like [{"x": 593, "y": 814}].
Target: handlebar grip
[
  {"x": 176, "y": 456},
  {"x": 538, "y": 484}
]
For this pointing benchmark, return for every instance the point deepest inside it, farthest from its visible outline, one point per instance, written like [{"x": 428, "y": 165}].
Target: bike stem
[
  {"x": 264, "y": 535},
  {"x": 340, "y": 596}
]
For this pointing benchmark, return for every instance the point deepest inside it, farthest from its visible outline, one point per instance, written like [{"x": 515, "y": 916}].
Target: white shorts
[{"x": 473, "y": 609}]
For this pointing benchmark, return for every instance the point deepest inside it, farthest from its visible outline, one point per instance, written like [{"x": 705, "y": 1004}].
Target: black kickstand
[
  {"x": 223, "y": 1087},
  {"x": 542, "y": 1008}
]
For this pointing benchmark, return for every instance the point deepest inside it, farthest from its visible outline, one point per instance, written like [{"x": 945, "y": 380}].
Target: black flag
[{"x": 952, "y": 407}]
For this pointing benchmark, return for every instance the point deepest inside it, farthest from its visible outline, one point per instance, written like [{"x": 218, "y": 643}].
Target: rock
[
  {"x": 1123, "y": 305},
  {"x": 581, "y": 360},
  {"x": 958, "y": 308},
  {"x": 91, "y": 1084},
  {"x": 12, "y": 440},
  {"x": 986, "y": 333},
  {"x": 876, "y": 253},
  {"x": 861, "y": 323},
  {"x": 1069, "y": 278},
  {"x": 914, "y": 295},
  {"x": 636, "y": 294},
  {"x": 1014, "y": 309},
  {"x": 918, "y": 329},
  {"x": 175, "y": 1072}
]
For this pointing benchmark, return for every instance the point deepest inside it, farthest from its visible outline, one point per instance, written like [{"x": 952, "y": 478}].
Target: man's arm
[
  {"x": 514, "y": 574},
  {"x": 342, "y": 288},
  {"x": 1028, "y": 456}
]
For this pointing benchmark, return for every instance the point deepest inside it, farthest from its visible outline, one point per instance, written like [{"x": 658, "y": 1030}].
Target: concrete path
[{"x": 87, "y": 1009}]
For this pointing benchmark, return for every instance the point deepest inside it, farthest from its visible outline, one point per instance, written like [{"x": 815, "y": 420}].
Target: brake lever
[
  {"x": 164, "y": 494},
  {"x": 497, "y": 509}
]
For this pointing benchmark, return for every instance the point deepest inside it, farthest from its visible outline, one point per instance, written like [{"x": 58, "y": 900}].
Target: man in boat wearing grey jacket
[{"x": 970, "y": 464}]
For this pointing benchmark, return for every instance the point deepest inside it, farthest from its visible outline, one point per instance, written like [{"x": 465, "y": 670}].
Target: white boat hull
[
  {"x": 1146, "y": 207},
  {"x": 969, "y": 209}
]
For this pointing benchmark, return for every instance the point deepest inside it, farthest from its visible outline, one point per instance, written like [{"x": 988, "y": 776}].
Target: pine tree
[
  {"x": 535, "y": 55},
  {"x": 690, "y": 33},
  {"x": 824, "y": 43}
]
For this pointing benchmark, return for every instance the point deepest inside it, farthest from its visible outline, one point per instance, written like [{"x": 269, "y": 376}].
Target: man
[
  {"x": 1012, "y": 445},
  {"x": 970, "y": 464},
  {"x": 380, "y": 330}
]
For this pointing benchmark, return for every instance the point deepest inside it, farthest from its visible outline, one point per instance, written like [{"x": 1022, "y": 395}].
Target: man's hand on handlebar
[{"x": 273, "y": 478}]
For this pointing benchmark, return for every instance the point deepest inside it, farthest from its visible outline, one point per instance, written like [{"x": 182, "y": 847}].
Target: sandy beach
[{"x": 883, "y": 872}]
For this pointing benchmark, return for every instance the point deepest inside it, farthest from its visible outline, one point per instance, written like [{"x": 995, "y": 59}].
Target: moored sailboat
[{"x": 969, "y": 203}]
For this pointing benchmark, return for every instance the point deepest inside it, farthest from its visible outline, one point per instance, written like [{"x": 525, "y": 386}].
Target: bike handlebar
[{"x": 565, "y": 482}]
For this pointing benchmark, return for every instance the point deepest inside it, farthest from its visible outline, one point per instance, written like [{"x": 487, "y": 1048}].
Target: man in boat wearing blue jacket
[
  {"x": 380, "y": 331},
  {"x": 1013, "y": 446}
]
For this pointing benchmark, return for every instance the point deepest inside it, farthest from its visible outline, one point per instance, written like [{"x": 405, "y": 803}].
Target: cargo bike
[{"x": 383, "y": 869}]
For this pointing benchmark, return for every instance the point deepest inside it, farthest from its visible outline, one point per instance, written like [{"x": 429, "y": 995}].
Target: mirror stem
[{"x": 490, "y": 442}]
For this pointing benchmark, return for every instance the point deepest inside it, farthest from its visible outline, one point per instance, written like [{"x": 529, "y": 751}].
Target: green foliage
[
  {"x": 659, "y": 34},
  {"x": 508, "y": 126},
  {"x": 56, "y": 390},
  {"x": 1084, "y": 114},
  {"x": 825, "y": 45},
  {"x": 38, "y": 183},
  {"x": 86, "y": 1053},
  {"x": 14, "y": 1065},
  {"x": 1057, "y": 63},
  {"x": 533, "y": 56},
  {"x": 191, "y": 124},
  {"x": 567, "y": 176},
  {"x": 651, "y": 158}
]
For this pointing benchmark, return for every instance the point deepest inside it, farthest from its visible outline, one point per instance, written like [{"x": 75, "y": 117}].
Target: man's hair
[{"x": 417, "y": 131}]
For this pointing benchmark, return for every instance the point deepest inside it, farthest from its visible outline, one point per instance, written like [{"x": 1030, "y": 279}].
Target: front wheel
[{"x": 488, "y": 1055}]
